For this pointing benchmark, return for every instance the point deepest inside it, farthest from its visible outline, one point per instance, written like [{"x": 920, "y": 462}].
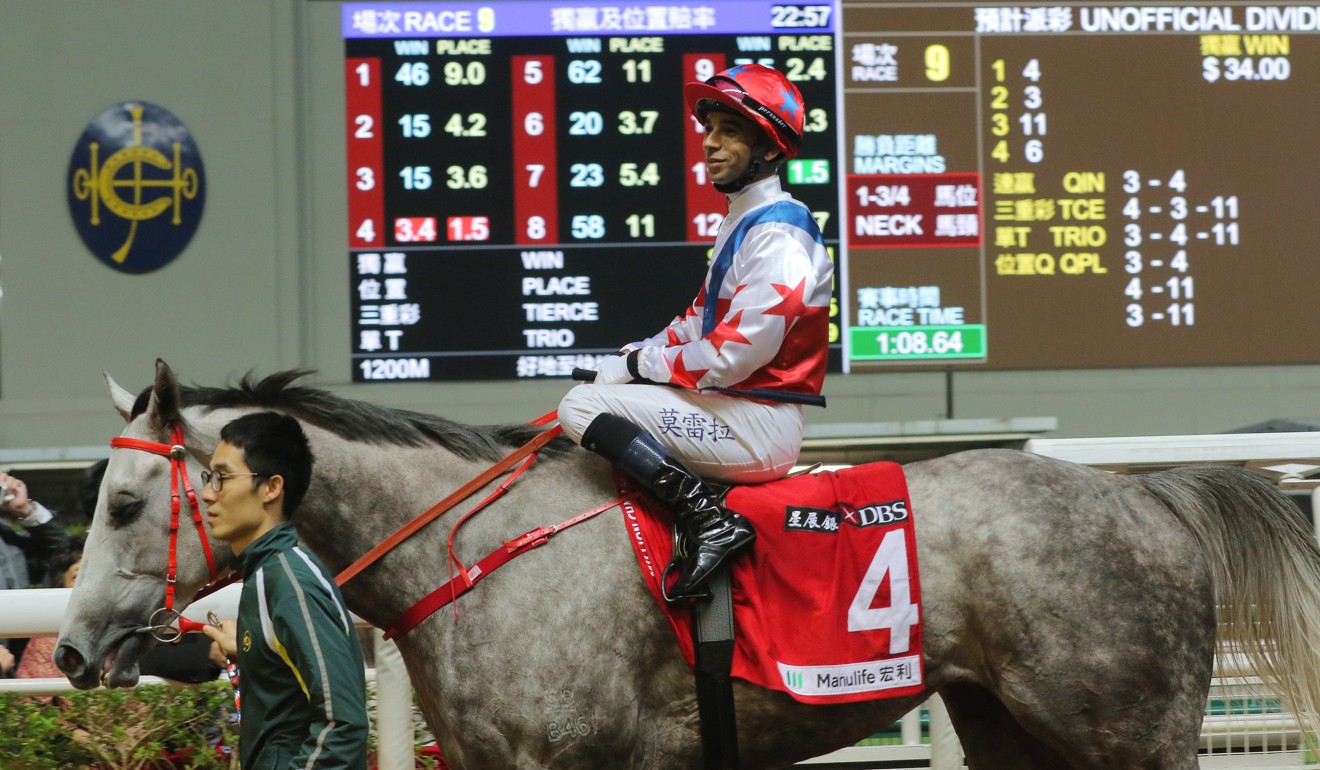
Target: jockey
[{"x": 760, "y": 321}]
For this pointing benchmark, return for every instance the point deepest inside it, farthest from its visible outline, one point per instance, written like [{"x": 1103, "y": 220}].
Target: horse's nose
[
  {"x": 74, "y": 665},
  {"x": 68, "y": 659}
]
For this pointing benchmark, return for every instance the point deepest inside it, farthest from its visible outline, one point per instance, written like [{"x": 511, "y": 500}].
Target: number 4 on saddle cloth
[{"x": 827, "y": 602}]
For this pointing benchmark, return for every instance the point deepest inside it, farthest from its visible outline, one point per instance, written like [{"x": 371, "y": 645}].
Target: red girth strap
[
  {"x": 177, "y": 456},
  {"x": 458, "y": 496},
  {"x": 469, "y": 578}
]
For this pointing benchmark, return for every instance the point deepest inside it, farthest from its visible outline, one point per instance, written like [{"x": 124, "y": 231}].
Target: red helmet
[{"x": 759, "y": 93}]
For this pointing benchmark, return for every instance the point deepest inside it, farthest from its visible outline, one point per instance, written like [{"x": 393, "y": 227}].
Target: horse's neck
[{"x": 362, "y": 494}]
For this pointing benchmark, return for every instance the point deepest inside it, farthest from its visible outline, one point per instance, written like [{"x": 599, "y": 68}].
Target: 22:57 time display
[{"x": 800, "y": 16}]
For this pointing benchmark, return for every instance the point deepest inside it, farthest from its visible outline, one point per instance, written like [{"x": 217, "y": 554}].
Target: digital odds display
[{"x": 1000, "y": 186}]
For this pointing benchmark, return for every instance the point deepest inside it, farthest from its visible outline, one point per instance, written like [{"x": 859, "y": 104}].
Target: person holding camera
[{"x": 26, "y": 551}]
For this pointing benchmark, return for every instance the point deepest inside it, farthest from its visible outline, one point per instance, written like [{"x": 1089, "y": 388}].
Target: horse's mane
[{"x": 357, "y": 421}]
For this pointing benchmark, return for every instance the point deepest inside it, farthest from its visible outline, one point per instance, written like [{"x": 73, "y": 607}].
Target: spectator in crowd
[
  {"x": 25, "y": 552},
  {"x": 37, "y": 661}
]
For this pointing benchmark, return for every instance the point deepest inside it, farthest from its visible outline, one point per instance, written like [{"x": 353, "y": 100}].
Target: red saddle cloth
[{"x": 827, "y": 603}]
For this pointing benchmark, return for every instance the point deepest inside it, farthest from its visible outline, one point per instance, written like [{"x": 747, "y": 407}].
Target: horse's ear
[
  {"x": 163, "y": 408},
  {"x": 122, "y": 398}
]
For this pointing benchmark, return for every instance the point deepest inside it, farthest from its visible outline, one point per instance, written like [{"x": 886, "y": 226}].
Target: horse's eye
[{"x": 122, "y": 512}]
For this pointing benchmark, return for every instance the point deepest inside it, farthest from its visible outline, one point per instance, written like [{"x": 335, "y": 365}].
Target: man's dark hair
[{"x": 274, "y": 444}]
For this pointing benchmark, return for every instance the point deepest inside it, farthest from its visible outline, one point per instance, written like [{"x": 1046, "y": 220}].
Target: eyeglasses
[{"x": 216, "y": 479}]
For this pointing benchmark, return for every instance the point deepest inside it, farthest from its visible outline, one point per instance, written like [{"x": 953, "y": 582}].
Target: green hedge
[
  {"x": 144, "y": 728},
  {"x": 152, "y": 727}
]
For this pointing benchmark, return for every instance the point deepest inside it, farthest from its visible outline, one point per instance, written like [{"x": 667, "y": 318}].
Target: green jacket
[{"x": 302, "y": 684}]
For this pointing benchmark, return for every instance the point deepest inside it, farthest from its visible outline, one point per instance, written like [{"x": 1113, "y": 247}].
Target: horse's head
[{"x": 122, "y": 580}]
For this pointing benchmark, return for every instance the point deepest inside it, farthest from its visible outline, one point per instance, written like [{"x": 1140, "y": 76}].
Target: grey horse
[{"x": 1070, "y": 616}]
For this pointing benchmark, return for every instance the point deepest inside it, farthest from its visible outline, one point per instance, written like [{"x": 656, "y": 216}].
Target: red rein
[{"x": 456, "y": 587}]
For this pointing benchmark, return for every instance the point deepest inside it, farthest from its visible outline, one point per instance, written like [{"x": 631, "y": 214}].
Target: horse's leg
[
  {"x": 994, "y": 739},
  {"x": 991, "y": 738},
  {"x": 1115, "y": 687}
]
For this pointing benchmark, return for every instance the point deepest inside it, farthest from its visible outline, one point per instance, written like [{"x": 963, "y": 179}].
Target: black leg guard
[
  {"x": 714, "y": 532},
  {"x": 624, "y": 444}
]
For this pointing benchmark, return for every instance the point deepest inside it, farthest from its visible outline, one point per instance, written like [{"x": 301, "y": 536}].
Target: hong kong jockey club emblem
[{"x": 136, "y": 187}]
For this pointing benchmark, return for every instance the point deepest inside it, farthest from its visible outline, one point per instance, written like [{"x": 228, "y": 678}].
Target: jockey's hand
[
  {"x": 16, "y": 503},
  {"x": 225, "y": 637},
  {"x": 613, "y": 370},
  {"x": 6, "y": 660}
]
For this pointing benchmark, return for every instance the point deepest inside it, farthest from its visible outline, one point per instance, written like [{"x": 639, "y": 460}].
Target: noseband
[{"x": 165, "y": 622}]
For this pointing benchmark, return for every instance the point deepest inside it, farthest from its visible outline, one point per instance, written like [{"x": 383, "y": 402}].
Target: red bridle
[
  {"x": 168, "y": 628},
  {"x": 178, "y": 470}
]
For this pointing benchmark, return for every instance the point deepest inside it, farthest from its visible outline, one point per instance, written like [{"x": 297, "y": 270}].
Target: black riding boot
[{"x": 713, "y": 532}]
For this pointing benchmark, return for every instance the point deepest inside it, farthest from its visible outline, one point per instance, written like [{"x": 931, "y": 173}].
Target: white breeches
[{"x": 719, "y": 437}]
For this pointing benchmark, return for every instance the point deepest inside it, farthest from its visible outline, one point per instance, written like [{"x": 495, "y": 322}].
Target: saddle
[{"x": 827, "y": 602}]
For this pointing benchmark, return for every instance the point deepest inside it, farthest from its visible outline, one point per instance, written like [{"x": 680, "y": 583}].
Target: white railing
[{"x": 39, "y": 612}]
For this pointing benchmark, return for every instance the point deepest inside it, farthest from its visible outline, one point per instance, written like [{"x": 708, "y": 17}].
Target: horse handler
[
  {"x": 304, "y": 690},
  {"x": 759, "y": 322}
]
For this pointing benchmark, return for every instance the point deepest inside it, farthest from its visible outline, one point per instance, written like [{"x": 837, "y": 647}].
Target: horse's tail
[{"x": 1266, "y": 571}]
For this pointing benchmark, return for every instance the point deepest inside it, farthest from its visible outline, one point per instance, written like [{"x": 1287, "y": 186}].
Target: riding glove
[{"x": 613, "y": 370}]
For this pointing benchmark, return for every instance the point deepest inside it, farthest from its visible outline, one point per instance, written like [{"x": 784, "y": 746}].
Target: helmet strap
[{"x": 757, "y": 169}]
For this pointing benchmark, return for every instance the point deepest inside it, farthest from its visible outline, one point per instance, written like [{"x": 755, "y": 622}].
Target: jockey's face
[{"x": 728, "y": 146}]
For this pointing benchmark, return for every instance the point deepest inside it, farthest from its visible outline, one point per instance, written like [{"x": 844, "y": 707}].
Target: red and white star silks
[{"x": 772, "y": 278}]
